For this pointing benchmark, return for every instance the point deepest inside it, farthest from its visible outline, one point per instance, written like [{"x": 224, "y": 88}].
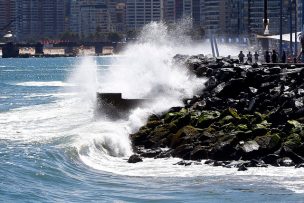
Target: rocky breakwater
[{"x": 246, "y": 116}]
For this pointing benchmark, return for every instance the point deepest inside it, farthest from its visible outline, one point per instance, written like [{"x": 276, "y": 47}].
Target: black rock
[
  {"x": 218, "y": 163},
  {"x": 134, "y": 159},
  {"x": 285, "y": 151},
  {"x": 248, "y": 150},
  {"x": 256, "y": 163},
  {"x": 300, "y": 166},
  {"x": 183, "y": 163},
  {"x": 209, "y": 162},
  {"x": 199, "y": 153},
  {"x": 150, "y": 153},
  {"x": 242, "y": 168},
  {"x": 164, "y": 154},
  {"x": 285, "y": 161},
  {"x": 271, "y": 159}
]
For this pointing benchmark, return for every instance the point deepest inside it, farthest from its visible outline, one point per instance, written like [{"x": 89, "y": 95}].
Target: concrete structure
[{"x": 141, "y": 12}]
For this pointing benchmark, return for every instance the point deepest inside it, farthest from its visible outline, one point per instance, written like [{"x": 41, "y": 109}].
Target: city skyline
[{"x": 37, "y": 19}]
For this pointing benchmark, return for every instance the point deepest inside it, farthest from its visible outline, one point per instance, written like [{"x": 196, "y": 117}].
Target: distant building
[
  {"x": 141, "y": 12},
  {"x": 214, "y": 15},
  {"x": 39, "y": 19},
  {"x": 7, "y": 16},
  {"x": 196, "y": 12},
  {"x": 94, "y": 19},
  {"x": 87, "y": 17},
  {"x": 117, "y": 18},
  {"x": 175, "y": 10}
]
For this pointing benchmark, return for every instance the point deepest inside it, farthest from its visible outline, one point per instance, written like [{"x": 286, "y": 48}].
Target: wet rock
[
  {"x": 185, "y": 135},
  {"x": 183, "y": 151},
  {"x": 218, "y": 163},
  {"x": 293, "y": 141},
  {"x": 183, "y": 163},
  {"x": 164, "y": 154},
  {"x": 285, "y": 161},
  {"x": 209, "y": 162},
  {"x": 231, "y": 112},
  {"x": 207, "y": 117},
  {"x": 256, "y": 163},
  {"x": 233, "y": 88},
  {"x": 153, "y": 117},
  {"x": 158, "y": 134},
  {"x": 268, "y": 143},
  {"x": 242, "y": 168},
  {"x": 224, "y": 149},
  {"x": 134, "y": 159},
  {"x": 248, "y": 150},
  {"x": 244, "y": 113},
  {"x": 199, "y": 153},
  {"x": 140, "y": 138},
  {"x": 154, "y": 123},
  {"x": 285, "y": 151},
  {"x": 271, "y": 159},
  {"x": 274, "y": 70},
  {"x": 250, "y": 146},
  {"x": 300, "y": 166},
  {"x": 150, "y": 153}
]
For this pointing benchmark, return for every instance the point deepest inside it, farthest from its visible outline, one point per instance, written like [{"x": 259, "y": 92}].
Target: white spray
[{"x": 144, "y": 70}]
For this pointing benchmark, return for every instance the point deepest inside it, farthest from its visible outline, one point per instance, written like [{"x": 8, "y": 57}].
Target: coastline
[{"x": 248, "y": 115}]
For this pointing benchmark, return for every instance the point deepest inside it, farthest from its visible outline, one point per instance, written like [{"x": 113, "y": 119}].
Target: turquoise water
[{"x": 53, "y": 148}]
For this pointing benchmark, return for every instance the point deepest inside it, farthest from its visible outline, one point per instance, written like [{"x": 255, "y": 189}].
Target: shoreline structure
[{"x": 247, "y": 115}]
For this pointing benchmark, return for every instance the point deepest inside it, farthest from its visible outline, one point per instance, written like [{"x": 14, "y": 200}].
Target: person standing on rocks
[
  {"x": 301, "y": 55},
  {"x": 283, "y": 57},
  {"x": 267, "y": 57},
  {"x": 249, "y": 57},
  {"x": 241, "y": 57},
  {"x": 274, "y": 57},
  {"x": 256, "y": 57}
]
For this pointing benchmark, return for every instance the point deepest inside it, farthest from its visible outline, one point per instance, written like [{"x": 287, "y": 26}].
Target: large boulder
[
  {"x": 134, "y": 159},
  {"x": 140, "y": 138},
  {"x": 268, "y": 143},
  {"x": 248, "y": 150},
  {"x": 185, "y": 135},
  {"x": 158, "y": 136},
  {"x": 206, "y": 118}
]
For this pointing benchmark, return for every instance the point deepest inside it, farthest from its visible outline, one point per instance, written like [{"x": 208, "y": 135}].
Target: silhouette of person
[
  {"x": 283, "y": 57},
  {"x": 301, "y": 55},
  {"x": 249, "y": 57},
  {"x": 274, "y": 57},
  {"x": 241, "y": 57},
  {"x": 256, "y": 57},
  {"x": 267, "y": 57}
]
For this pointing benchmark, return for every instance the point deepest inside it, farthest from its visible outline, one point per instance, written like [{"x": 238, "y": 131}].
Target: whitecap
[{"x": 45, "y": 84}]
